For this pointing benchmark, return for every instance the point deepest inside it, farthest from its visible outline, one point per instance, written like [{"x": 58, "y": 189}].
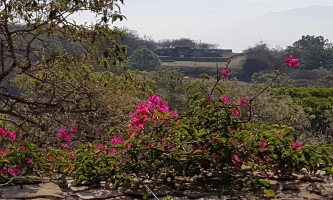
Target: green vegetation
[
  {"x": 144, "y": 59},
  {"x": 317, "y": 102},
  {"x": 315, "y": 52},
  {"x": 67, "y": 113}
]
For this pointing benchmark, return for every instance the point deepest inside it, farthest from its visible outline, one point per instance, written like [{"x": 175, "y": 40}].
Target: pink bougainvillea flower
[
  {"x": 163, "y": 108},
  {"x": 226, "y": 99},
  {"x": 137, "y": 123},
  {"x": 163, "y": 143},
  {"x": 174, "y": 113},
  {"x": 3, "y": 170},
  {"x": 281, "y": 136},
  {"x": 234, "y": 157},
  {"x": 145, "y": 112},
  {"x": 48, "y": 157},
  {"x": 235, "y": 111},
  {"x": 2, "y": 131},
  {"x": 2, "y": 152},
  {"x": 68, "y": 138},
  {"x": 112, "y": 151},
  {"x": 100, "y": 147},
  {"x": 225, "y": 73},
  {"x": 14, "y": 172},
  {"x": 143, "y": 109},
  {"x": 22, "y": 148},
  {"x": 296, "y": 145},
  {"x": 72, "y": 154},
  {"x": 209, "y": 98},
  {"x": 9, "y": 151},
  {"x": 64, "y": 135},
  {"x": 128, "y": 145},
  {"x": 243, "y": 101},
  {"x": 250, "y": 137},
  {"x": 116, "y": 140},
  {"x": 262, "y": 145},
  {"x": 236, "y": 161},
  {"x": 64, "y": 146},
  {"x": 30, "y": 160},
  {"x": 10, "y": 135},
  {"x": 292, "y": 62},
  {"x": 73, "y": 129},
  {"x": 155, "y": 100},
  {"x": 62, "y": 132}
]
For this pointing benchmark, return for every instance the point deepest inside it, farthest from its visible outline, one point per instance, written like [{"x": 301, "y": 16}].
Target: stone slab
[
  {"x": 97, "y": 194},
  {"x": 43, "y": 190}
]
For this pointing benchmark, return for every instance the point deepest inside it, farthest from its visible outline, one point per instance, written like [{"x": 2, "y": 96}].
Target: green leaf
[
  {"x": 198, "y": 152},
  {"x": 204, "y": 75},
  {"x": 145, "y": 138},
  {"x": 220, "y": 89},
  {"x": 194, "y": 97},
  {"x": 95, "y": 144},
  {"x": 269, "y": 192},
  {"x": 187, "y": 128},
  {"x": 265, "y": 184},
  {"x": 168, "y": 197},
  {"x": 129, "y": 178},
  {"x": 158, "y": 114},
  {"x": 5, "y": 161},
  {"x": 116, "y": 185},
  {"x": 250, "y": 164},
  {"x": 160, "y": 149},
  {"x": 127, "y": 142},
  {"x": 145, "y": 192},
  {"x": 291, "y": 128},
  {"x": 144, "y": 163},
  {"x": 189, "y": 87},
  {"x": 106, "y": 64},
  {"x": 113, "y": 128}
]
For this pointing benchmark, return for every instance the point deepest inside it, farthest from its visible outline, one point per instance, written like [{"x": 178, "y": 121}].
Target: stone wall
[
  {"x": 194, "y": 59},
  {"x": 188, "y": 54}
]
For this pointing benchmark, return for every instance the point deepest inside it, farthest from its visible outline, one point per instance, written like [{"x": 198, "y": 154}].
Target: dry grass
[
  {"x": 238, "y": 63},
  {"x": 235, "y": 65},
  {"x": 192, "y": 64},
  {"x": 228, "y": 55}
]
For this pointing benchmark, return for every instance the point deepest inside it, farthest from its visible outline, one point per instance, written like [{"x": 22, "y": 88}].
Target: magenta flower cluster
[
  {"x": 66, "y": 136},
  {"x": 291, "y": 62},
  {"x": 144, "y": 112},
  {"x": 8, "y": 134}
]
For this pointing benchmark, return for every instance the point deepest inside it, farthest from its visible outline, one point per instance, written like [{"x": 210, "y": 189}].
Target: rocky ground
[{"x": 292, "y": 187}]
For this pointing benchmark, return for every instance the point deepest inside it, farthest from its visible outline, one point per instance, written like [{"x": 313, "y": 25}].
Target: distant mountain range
[{"x": 280, "y": 28}]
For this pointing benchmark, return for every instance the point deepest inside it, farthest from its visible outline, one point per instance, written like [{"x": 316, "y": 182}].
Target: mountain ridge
[{"x": 287, "y": 26}]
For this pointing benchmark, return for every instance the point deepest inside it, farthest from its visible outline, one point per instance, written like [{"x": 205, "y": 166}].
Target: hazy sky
[{"x": 203, "y": 20}]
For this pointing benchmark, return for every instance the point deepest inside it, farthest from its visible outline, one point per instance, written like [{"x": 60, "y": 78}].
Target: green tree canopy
[
  {"x": 144, "y": 59},
  {"x": 314, "y": 52},
  {"x": 260, "y": 58}
]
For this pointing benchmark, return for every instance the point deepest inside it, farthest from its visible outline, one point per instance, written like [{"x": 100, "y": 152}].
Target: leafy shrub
[{"x": 317, "y": 103}]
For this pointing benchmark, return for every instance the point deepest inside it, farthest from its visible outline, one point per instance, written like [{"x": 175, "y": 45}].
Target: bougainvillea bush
[{"x": 211, "y": 137}]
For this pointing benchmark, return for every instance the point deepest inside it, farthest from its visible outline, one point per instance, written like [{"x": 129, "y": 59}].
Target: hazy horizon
[{"x": 221, "y": 21}]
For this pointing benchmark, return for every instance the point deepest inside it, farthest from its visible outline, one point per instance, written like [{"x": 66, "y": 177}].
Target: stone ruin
[{"x": 191, "y": 54}]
